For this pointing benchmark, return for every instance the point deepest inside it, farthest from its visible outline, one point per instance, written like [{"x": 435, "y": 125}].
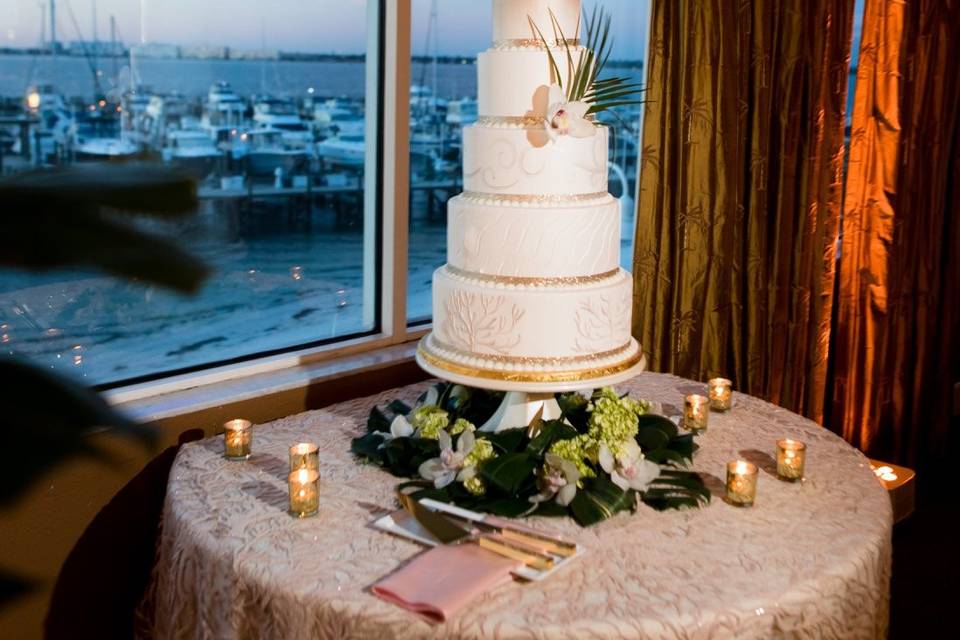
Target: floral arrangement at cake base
[{"x": 606, "y": 454}]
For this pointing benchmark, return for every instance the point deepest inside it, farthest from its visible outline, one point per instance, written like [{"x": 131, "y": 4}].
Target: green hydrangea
[
  {"x": 475, "y": 486},
  {"x": 613, "y": 420},
  {"x": 429, "y": 420},
  {"x": 460, "y": 426},
  {"x": 481, "y": 452},
  {"x": 577, "y": 451}
]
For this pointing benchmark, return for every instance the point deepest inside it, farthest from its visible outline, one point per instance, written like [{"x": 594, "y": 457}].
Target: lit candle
[
  {"x": 304, "y": 492},
  {"x": 304, "y": 455},
  {"x": 791, "y": 457},
  {"x": 237, "y": 437},
  {"x": 696, "y": 410},
  {"x": 741, "y": 483},
  {"x": 720, "y": 391}
]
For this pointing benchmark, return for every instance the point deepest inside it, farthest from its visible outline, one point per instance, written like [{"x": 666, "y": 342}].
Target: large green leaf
[
  {"x": 508, "y": 440},
  {"x": 47, "y": 418},
  {"x": 67, "y": 217},
  {"x": 551, "y": 431},
  {"x": 509, "y": 472},
  {"x": 598, "y": 500},
  {"x": 675, "y": 489}
]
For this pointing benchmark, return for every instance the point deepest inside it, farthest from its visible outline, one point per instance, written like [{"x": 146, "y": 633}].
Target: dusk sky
[{"x": 290, "y": 25}]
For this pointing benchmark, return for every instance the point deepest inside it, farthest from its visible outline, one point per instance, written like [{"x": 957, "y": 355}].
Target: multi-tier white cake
[{"x": 532, "y": 297}]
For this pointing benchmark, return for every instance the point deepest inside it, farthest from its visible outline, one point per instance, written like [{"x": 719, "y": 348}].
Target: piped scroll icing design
[
  {"x": 601, "y": 321},
  {"x": 481, "y": 323}
]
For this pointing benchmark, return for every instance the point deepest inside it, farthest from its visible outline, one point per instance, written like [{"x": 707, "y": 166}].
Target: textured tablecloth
[{"x": 807, "y": 561}]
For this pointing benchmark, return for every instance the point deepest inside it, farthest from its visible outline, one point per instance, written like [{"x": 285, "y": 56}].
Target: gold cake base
[{"x": 544, "y": 381}]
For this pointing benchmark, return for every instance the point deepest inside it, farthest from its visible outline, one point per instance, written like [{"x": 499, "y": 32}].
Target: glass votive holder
[
  {"x": 304, "y": 486},
  {"x": 720, "y": 391},
  {"x": 237, "y": 438},
  {"x": 741, "y": 483},
  {"x": 791, "y": 458},
  {"x": 305, "y": 455},
  {"x": 696, "y": 410}
]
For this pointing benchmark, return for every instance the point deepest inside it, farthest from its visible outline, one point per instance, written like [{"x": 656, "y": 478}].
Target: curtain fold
[
  {"x": 897, "y": 348},
  {"x": 740, "y": 192}
]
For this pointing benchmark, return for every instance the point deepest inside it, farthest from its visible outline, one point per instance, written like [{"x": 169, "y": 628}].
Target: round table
[{"x": 809, "y": 560}]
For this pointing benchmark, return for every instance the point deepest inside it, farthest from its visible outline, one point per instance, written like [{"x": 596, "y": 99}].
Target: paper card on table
[{"x": 439, "y": 582}]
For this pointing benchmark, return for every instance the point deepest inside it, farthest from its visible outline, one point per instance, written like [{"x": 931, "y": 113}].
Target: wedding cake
[{"x": 532, "y": 296}]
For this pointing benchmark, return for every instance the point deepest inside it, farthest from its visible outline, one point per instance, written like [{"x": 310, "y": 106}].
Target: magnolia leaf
[
  {"x": 674, "y": 489},
  {"x": 509, "y": 472},
  {"x": 399, "y": 407},
  {"x": 552, "y": 431},
  {"x": 377, "y": 421},
  {"x": 599, "y": 499},
  {"x": 508, "y": 440}
]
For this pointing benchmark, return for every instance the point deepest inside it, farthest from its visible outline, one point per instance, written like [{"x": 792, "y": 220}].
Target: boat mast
[
  {"x": 43, "y": 26},
  {"x": 53, "y": 27},
  {"x": 113, "y": 46}
]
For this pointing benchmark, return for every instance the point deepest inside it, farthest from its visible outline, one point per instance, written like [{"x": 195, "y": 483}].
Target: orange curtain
[
  {"x": 740, "y": 192},
  {"x": 897, "y": 348}
]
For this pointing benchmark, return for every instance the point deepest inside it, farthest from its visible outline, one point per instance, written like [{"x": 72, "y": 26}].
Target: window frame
[{"x": 386, "y": 178}]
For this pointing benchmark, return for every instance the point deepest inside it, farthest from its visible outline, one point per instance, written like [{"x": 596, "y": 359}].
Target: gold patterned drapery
[
  {"x": 740, "y": 192},
  {"x": 897, "y": 341}
]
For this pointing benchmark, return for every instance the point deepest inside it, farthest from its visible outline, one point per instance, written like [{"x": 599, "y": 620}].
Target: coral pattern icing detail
[
  {"x": 534, "y": 242},
  {"x": 524, "y": 162},
  {"x": 501, "y": 362},
  {"x": 600, "y": 319},
  {"x": 481, "y": 323},
  {"x": 549, "y": 329},
  {"x": 809, "y": 561}
]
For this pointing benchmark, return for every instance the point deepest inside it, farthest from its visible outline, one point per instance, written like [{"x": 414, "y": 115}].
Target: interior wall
[{"x": 38, "y": 533}]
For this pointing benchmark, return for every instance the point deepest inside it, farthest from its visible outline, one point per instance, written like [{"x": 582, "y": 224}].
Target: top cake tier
[{"x": 511, "y": 18}]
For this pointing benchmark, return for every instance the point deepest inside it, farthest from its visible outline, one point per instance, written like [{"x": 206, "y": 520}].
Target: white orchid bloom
[
  {"x": 566, "y": 118},
  {"x": 399, "y": 428},
  {"x": 629, "y": 469},
  {"x": 450, "y": 465},
  {"x": 558, "y": 479}
]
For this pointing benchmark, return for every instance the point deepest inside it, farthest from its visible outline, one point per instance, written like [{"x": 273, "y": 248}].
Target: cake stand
[{"x": 526, "y": 394}]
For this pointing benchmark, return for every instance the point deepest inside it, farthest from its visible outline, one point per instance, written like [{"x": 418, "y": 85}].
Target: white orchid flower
[
  {"x": 629, "y": 469},
  {"x": 558, "y": 479},
  {"x": 450, "y": 465},
  {"x": 399, "y": 428},
  {"x": 566, "y": 118}
]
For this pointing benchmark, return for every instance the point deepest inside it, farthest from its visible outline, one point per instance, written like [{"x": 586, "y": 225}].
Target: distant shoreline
[{"x": 282, "y": 56}]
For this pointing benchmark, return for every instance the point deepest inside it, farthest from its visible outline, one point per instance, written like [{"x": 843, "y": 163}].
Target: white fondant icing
[
  {"x": 515, "y": 161},
  {"x": 508, "y": 80},
  {"x": 542, "y": 322},
  {"x": 554, "y": 242},
  {"x": 511, "y": 18}
]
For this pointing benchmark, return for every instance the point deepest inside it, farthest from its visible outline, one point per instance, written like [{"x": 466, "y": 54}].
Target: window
[
  {"x": 446, "y": 37},
  {"x": 267, "y": 105},
  {"x": 287, "y": 113}
]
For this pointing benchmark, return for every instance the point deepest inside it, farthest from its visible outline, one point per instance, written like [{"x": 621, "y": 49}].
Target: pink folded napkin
[{"x": 438, "y": 582}]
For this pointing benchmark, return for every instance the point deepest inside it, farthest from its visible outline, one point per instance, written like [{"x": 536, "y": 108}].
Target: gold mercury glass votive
[
  {"x": 720, "y": 391},
  {"x": 696, "y": 410},
  {"x": 304, "y": 488},
  {"x": 237, "y": 437},
  {"x": 791, "y": 457},
  {"x": 741, "y": 483},
  {"x": 305, "y": 455}
]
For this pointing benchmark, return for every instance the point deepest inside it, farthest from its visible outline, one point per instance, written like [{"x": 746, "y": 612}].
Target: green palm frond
[{"x": 583, "y": 82}]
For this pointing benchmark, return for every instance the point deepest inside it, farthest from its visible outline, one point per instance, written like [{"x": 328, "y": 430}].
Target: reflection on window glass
[
  {"x": 446, "y": 37},
  {"x": 263, "y": 103}
]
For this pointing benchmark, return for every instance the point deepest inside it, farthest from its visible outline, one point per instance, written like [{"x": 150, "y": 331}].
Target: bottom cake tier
[{"x": 557, "y": 323}]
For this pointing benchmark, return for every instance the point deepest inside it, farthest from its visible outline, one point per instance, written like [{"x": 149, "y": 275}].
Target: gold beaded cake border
[
  {"x": 532, "y": 361},
  {"x": 532, "y": 281},
  {"x": 527, "y": 376},
  {"x": 535, "y": 43},
  {"x": 521, "y": 197},
  {"x": 519, "y": 121}
]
